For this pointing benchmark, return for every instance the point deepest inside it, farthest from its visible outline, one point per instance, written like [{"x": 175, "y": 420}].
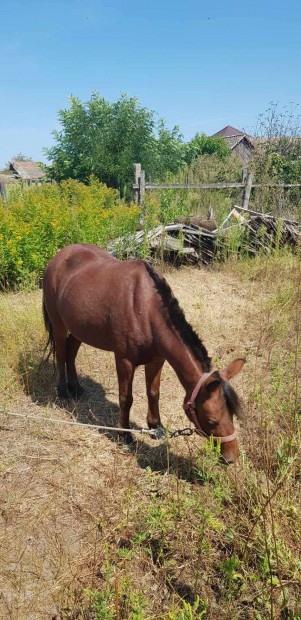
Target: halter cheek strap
[{"x": 190, "y": 410}]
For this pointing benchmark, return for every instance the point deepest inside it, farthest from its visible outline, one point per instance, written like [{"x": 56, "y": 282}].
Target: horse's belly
[
  {"x": 99, "y": 335},
  {"x": 134, "y": 343}
]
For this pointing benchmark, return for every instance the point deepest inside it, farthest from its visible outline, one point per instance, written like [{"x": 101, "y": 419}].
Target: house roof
[
  {"x": 234, "y": 140},
  {"x": 228, "y": 132},
  {"x": 27, "y": 170},
  {"x": 234, "y": 136}
]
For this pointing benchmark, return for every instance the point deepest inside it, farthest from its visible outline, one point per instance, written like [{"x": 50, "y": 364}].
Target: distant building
[
  {"x": 239, "y": 142},
  {"x": 28, "y": 171}
]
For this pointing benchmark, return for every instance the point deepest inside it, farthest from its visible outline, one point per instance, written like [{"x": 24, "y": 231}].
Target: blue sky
[{"x": 198, "y": 64}]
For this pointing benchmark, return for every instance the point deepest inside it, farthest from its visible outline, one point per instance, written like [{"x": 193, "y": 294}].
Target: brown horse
[{"x": 128, "y": 308}]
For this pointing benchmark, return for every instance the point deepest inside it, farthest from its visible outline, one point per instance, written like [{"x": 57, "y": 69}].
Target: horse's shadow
[{"x": 38, "y": 380}]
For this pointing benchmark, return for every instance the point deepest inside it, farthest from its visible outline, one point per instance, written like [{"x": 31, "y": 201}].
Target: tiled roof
[{"x": 228, "y": 132}]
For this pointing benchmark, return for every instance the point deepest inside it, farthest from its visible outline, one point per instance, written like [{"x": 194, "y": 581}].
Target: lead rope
[
  {"x": 158, "y": 433},
  {"x": 83, "y": 425}
]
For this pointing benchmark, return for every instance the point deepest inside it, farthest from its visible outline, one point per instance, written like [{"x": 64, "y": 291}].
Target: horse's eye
[{"x": 212, "y": 423}]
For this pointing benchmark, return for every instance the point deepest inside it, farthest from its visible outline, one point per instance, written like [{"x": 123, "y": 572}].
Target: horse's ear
[{"x": 232, "y": 369}]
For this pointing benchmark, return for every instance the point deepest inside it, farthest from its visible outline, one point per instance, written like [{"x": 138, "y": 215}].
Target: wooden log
[{"x": 197, "y": 221}]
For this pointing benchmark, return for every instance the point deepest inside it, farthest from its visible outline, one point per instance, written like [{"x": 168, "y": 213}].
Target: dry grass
[{"x": 89, "y": 529}]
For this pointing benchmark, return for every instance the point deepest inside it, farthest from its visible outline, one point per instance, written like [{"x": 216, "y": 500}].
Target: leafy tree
[
  {"x": 169, "y": 151},
  {"x": 105, "y": 140},
  {"x": 21, "y": 157},
  {"x": 206, "y": 145}
]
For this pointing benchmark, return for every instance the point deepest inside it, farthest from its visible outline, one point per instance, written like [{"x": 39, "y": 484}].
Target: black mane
[
  {"x": 177, "y": 318},
  {"x": 232, "y": 400}
]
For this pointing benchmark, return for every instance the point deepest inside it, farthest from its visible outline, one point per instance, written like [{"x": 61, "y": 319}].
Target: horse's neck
[{"x": 180, "y": 357}]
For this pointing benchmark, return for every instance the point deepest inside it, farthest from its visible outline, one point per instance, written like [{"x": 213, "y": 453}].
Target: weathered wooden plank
[
  {"x": 136, "y": 186},
  {"x": 247, "y": 191},
  {"x": 265, "y": 215},
  {"x": 142, "y": 186},
  {"x": 3, "y": 192},
  {"x": 280, "y": 185},
  {"x": 151, "y": 186}
]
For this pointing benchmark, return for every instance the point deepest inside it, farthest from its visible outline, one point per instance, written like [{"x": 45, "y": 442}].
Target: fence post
[
  {"x": 247, "y": 190},
  {"x": 139, "y": 189},
  {"x": 136, "y": 186},
  {"x": 3, "y": 191},
  {"x": 141, "y": 196}
]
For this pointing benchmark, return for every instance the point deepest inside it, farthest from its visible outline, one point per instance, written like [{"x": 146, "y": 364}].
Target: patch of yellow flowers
[{"x": 36, "y": 222}]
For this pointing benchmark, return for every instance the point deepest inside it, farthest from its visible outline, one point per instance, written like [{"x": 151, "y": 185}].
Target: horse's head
[{"x": 212, "y": 406}]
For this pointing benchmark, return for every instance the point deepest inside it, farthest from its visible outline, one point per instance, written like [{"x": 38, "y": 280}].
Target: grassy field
[{"x": 92, "y": 531}]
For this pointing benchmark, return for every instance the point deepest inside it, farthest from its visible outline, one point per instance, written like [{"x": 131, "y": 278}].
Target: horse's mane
[
  {"x": 177, "y": 318},
  {"x": 232, "y": 400}
]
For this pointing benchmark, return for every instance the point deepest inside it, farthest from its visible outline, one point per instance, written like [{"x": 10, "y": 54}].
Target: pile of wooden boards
[
  {"x": 176, "y": 242},
  {"x": 266, "y": 232},
  {"x": 190, "y": 243}
]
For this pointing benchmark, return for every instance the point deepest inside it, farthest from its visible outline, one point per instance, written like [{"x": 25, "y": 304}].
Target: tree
[
  {"x": 105, "y": 140},
  {"x": 278, "y": 153},
  {"x": 18, "y": 157},
  {"x": 169, "y": 151},
  {"x": 206, "y": 145},
  {"x": 277, "y": 160}
]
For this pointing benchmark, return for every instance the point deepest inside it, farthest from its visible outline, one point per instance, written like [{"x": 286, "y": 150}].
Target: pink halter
[{"x": 190, "y": 410}]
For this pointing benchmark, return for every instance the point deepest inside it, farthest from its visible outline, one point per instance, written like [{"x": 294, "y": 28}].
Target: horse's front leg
[
  {"x": 125, "y": 373},
  {"x": 152, "y": 377},
  {"x": 74, "y": 387}
]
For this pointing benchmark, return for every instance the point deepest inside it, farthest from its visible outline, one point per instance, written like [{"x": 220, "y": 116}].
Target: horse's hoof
[
  {"x": 62, "y": 394},
  {"x": 126, "y": 438},
  {"x": 76, "y": 392}
]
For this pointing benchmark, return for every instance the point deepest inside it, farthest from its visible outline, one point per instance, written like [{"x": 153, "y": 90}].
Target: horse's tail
[{"x": 50, "y": 344}]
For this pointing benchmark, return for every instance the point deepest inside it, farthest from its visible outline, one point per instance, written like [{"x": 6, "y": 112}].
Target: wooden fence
[
  {"x": 140, "y": 186},
  {"x": 27, "y": 182}
]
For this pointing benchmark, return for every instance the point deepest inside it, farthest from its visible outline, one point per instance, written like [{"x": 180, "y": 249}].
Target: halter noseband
[{"x": 190, "y": 410}]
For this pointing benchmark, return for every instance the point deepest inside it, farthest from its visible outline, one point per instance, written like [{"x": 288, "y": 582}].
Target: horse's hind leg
[
  {"x": 152, "y": 377},
  {"x": 74, "y": 387},
  {"x": 125, "y": 373},
  {"x": 60, "y": 338}
]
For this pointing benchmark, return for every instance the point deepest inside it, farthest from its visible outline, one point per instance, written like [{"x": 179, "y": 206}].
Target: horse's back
[
  {"x": 90, "y": 263},
  {"x": 73, "y": 258},
  {"x": 103, "y": 301}
]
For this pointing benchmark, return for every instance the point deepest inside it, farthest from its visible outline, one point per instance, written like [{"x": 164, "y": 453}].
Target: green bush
[{"x": 36, "y": 222}]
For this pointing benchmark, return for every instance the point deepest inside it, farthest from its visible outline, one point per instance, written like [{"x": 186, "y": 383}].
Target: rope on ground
[{"x": 158, "y": 433}]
